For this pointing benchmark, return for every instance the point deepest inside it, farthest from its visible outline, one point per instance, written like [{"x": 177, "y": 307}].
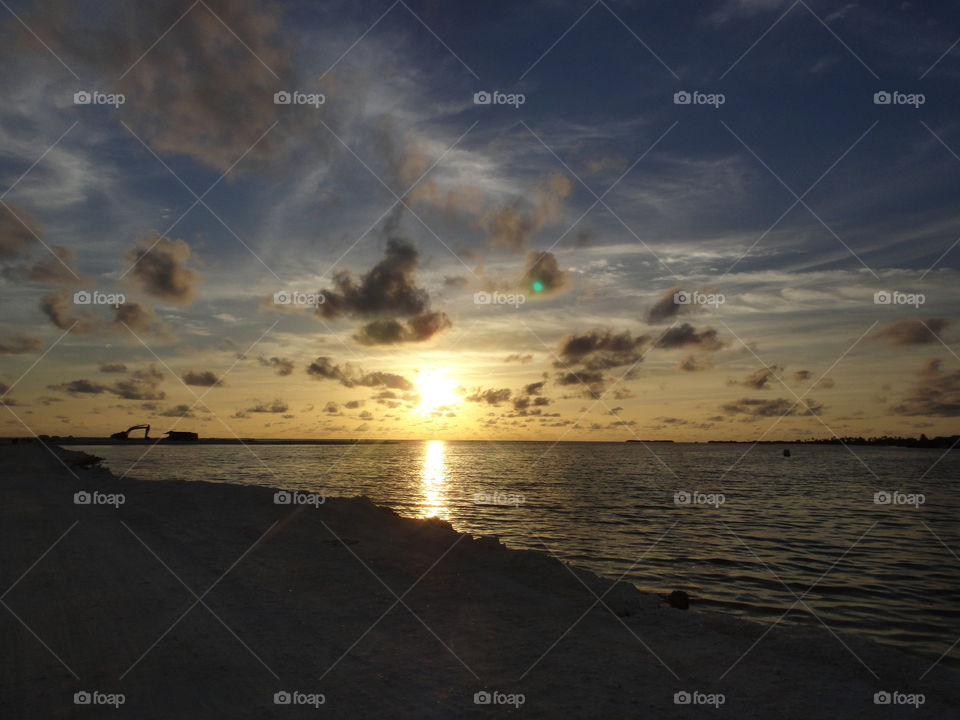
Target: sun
[{"x": 436, "y": 391}]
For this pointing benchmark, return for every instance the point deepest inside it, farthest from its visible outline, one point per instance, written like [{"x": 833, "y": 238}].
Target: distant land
[{"x": 943, "y": 441}]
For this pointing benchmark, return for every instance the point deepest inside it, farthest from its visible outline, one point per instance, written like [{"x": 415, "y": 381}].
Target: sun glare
[{"x": 436, "y": 391}]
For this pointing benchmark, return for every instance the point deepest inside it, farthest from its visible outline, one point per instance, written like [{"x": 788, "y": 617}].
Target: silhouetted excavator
[{"x": 123, "y": 434}]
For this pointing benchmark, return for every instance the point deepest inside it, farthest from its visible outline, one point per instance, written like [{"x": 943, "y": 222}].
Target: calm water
[{"x": 611, "y": 507}]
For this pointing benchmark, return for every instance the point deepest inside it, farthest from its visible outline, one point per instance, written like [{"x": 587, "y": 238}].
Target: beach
[{"x": 167, "y": 599}]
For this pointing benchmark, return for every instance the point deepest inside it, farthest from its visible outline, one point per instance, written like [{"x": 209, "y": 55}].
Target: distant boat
[
  {"x": 181, "y": 436},
  {"x": 786, "y": 452}
]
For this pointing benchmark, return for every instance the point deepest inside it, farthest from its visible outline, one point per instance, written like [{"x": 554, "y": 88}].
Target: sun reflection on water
[{"x": 433, "y": 476}]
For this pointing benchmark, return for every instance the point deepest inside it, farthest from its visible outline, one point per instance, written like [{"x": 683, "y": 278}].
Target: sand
[{"x": 199, "y": 600}]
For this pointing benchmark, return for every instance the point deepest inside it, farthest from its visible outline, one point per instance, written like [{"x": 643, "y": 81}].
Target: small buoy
[{"x": 786, "y": 452}]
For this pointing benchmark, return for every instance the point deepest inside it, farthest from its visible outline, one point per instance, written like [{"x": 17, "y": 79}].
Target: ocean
[{"x": 864, "y": 540}]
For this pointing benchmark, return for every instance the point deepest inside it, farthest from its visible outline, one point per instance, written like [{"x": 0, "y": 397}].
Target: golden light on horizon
[
  {"x": 433, "y": 477},
  {"x": 437, "y": 391}
]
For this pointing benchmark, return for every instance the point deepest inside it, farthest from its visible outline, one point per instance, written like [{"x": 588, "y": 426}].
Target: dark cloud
[
  {"x": 541, "y": 267},
  {"x": 490, "y": 396},
  {"x": 534, "y": 388},
  {"x": 58, "y": 306},
  {"x": 802, "y": 375},
  {"x": 353, "y": 404},
  {"x": 332, "y": 408},
  {"x": 389, "y": 331},
  {"x": 116, "y": 367},
  {"x": 691, "y": 363},
  {"x": 160, "y": 269},
  {"x": 283, "y": 366},
  {"x": 757, "y": 408},
  {"x": 80, "y": 387},
  {"x": 517, "y": 357},
  {"x": 601, "y": 349},
  {"x": 277, "y": 406},
  {"x": 456, "y": 282},
  {"x": 760, "y": 378},
  {"x": 136, "y": 317},
  {"x": 388, "y": 291},
  {"x": 665, "y": 308},
  {"x": 934, "y": 394},
  {"x": 203, "y": 378},
  {"x": 177, "y": 411},
  {"x": 20, "y": 345},
  {"x": 686, "y": 336},
  {"x": 351, "y": 376},
  {"x": 913, "y": 331}
]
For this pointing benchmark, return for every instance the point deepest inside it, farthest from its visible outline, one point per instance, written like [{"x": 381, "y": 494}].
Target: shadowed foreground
[{"x": 198, "y": 600}]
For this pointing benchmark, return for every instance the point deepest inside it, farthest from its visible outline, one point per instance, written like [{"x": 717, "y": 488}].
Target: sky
[{"x": 711, "y": 220}]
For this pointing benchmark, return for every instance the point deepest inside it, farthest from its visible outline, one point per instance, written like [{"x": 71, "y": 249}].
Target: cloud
[
  {"x": 24, "y": 257},
  {"x": 141, "y": 385},
  {"x": 277, "y": 406},
  {"x": 691, "y": 363},
  {"x": 283, "y": 366},
  {"x": 389, "y": 331},
  {"x": 117, "y": 367},
  {"x": 137, "y": 317},
  {"x": 759, "y": 379},
  {"x": 518, "y": 357},
  {"x": 20, "y": 345},
  {"x": 204, "y": 378},
  {"x": 913, "y": 331},
  {"x": 602, "y": 349},
  {"x": 934, "y": 394},
  {"x": 332, "y": 408},
  {"x": 351, "y": 376},
  {"x": 665, "y": 308},
  {"x": 490, "y": 396},
  {"x": 177, "y": 411},
  {"x": 161, "y": 269},
  {"x": 386, "y": 292},
  {"x": 802, "y": 375},
  {"x": 58, "y": 306},
  {"x": 205, "y": 91},
  {"x": 757, "y": 408},
  {"x": 686, "y": 336},
  {"x": 542, "y": 268},
  {"x": 512, "y": 226},
  {"x": 80, "y": 387}
]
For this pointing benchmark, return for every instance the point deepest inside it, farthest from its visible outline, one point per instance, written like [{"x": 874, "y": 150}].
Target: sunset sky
[{"x": 399, "y": 198}]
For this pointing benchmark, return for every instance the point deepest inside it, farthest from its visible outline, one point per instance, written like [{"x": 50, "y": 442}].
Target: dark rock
[{"x": 679, "y": 599}]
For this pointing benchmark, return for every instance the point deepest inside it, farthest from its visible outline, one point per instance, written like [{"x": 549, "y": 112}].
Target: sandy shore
[{"x": 196, "y": 600}]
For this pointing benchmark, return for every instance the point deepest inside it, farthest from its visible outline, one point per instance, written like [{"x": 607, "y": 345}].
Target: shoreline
[{"x": 306, "y": 582}]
